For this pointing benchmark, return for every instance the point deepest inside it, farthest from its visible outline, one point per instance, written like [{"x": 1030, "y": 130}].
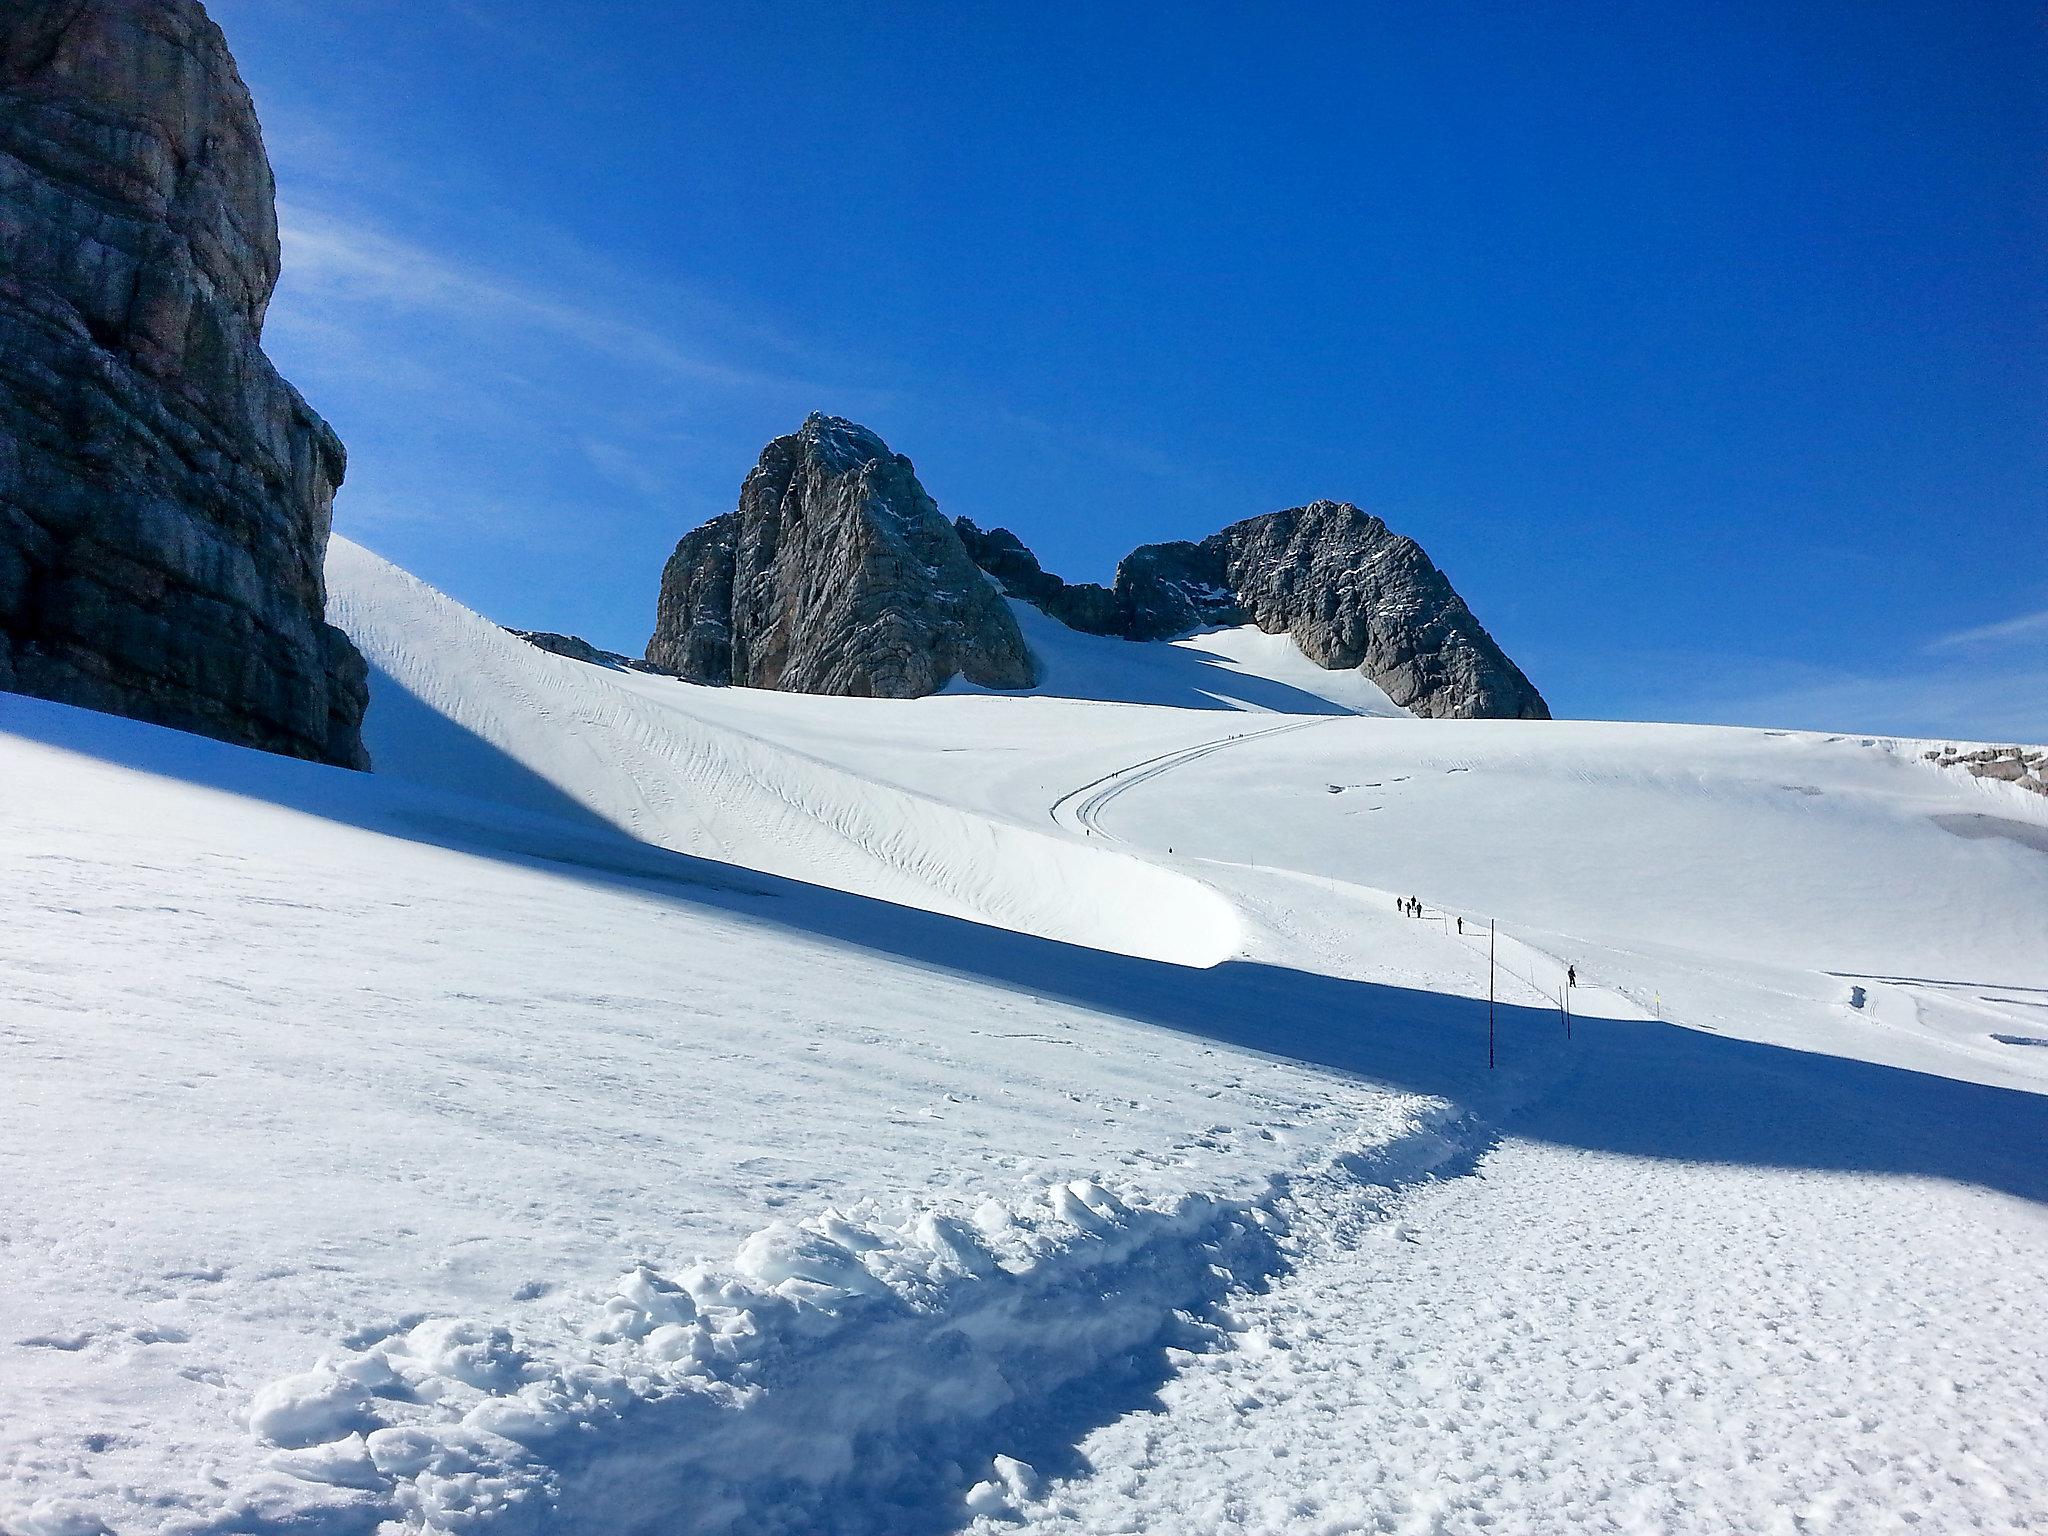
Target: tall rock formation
[
  {"x": 1354, "y": 594},
  {"x": 1351, "y": 593},
  {"x": 165, "y": 497},
  {"x": 835, "y": 575}
]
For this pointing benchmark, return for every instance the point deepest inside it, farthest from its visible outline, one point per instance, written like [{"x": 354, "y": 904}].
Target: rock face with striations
[
  {"x": 165, "y": 497},
  {"x": 1350, "y": 592},
  {"x": 835, "y": 575}
]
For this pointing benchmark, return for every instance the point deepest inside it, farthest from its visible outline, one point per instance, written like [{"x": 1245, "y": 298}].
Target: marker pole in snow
[{"x": 1489, "y": 994}]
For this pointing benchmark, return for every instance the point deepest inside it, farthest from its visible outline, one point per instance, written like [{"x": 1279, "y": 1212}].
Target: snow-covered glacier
[{"x": 643, "y": 1107}]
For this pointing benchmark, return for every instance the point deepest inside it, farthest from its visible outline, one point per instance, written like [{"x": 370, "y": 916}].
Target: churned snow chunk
[
  {"x": 1012, "y": 1483},
  {"x": 54, "y": 1517},
  {"x": 804, "y": 1264},
  {"x": 476, "y": 1356},
  {"x": 402, "y": 1452},
  {"x": 645, "y": 1303},
  {"x": 526, "y": 1417},
  {"x": 306, "y": 1409},
  {"x": 953, "y": 1239},
  {"x": 345, "y": 1463}
]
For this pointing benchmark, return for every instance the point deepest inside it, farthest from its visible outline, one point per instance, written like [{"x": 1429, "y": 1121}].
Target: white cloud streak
[
  {"x": 2025, "y": 626},
  {"x": 330, "y": 260}
]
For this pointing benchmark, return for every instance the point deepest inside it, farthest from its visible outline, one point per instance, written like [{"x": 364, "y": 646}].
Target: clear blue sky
[{"x": 1703, "y": 346}]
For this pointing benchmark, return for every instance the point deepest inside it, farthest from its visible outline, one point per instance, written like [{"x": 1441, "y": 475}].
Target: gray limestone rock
[
  {"x": 835, "y": 575},
  {"x": 165, "y": 497},
  {"x": 576, "y": 648},
  {"x": 1350, "y": 592}
]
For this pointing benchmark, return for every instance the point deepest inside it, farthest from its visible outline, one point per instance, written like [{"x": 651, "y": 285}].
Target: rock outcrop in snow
[
  {"x": 1349, "y": 591},
  {"x": 2026, "y": 767},
  {"x": 576, "y": 648},
  {"x": 837, "y": 575},
  {"x": 165, "y": 496}
]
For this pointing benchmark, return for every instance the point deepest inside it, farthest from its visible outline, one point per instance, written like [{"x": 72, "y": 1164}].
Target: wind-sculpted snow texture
[
  {"x": 835, "y": 575},
  {"x": 165, "y": 497},
  {"x": 1351, "y": 593}
]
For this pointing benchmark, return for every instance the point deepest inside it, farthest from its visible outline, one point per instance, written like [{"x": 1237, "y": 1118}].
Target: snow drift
[{"x": 463, "y": 705}]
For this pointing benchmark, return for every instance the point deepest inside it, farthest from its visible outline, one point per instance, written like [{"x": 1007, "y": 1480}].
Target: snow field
[
  {"x": 1809, "y": 890},
  {"x": 1576, "y": 1341},
  {"x": 304, "y": 1062},
  {"x": 645, "y": 1107}
]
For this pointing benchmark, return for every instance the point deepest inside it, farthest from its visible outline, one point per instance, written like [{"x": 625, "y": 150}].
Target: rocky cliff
[
  {"x": 1350, "y": 592},
  {"x": 836, "y": 574},
  {"x": 165, "y": 496}
]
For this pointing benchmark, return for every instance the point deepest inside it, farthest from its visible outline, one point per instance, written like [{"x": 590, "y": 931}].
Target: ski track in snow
[
  {"x": 419, "y": 1129},
  {"x": 1081, "y": 809}
]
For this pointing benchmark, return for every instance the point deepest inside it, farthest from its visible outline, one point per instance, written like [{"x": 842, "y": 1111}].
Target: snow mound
[
  {"x": 850, "y": 1373},
  {"x": 460, "y": 704}
]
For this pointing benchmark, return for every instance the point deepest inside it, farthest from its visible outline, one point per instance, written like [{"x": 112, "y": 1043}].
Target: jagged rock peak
[
  {"x": 836, "y": 574},
  {"x": 165, "y": 497},
  {"x": 1350, "y": 592}
]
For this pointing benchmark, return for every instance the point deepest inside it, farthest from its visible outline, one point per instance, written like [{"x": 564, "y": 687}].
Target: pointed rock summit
[
  {"x": 836, "y": 574},
  {"x": 165, "y": 497},
  {"x": 1349, "y": 591}
]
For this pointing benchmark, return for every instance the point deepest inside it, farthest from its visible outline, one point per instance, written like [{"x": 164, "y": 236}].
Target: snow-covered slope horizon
[{"x": 640, "y": 1107}]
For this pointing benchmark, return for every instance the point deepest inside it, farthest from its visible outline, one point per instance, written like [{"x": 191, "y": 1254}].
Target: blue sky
[{"x": 1702, "y": 346}]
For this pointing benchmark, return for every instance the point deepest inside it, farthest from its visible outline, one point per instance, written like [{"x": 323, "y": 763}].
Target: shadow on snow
[{"x": 1640, "y": 1088}]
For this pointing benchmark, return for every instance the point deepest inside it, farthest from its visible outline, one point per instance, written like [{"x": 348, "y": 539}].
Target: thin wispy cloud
[
  {"x": 332, "y": 259},
  {"x": 2024, "y": 627}
]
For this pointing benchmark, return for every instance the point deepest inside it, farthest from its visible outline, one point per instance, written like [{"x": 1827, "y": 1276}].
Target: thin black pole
[{"x": 1489, "y": 995}]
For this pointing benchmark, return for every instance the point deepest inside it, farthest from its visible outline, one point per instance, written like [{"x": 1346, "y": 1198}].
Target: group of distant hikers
[{"x": 1409, "y": 906}]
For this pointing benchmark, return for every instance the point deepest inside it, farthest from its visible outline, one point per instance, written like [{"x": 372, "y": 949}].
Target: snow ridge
[
  {"x": 462, "y": 705},
  {"x": 847, "y": 1374}
]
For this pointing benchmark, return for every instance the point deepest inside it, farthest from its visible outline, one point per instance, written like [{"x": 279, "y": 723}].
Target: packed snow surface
[{"x": 641, "y": 1107}]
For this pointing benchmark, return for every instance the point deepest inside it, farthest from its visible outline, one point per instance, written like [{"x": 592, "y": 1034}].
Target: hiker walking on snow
[{"x": 1571, "y": 975}]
